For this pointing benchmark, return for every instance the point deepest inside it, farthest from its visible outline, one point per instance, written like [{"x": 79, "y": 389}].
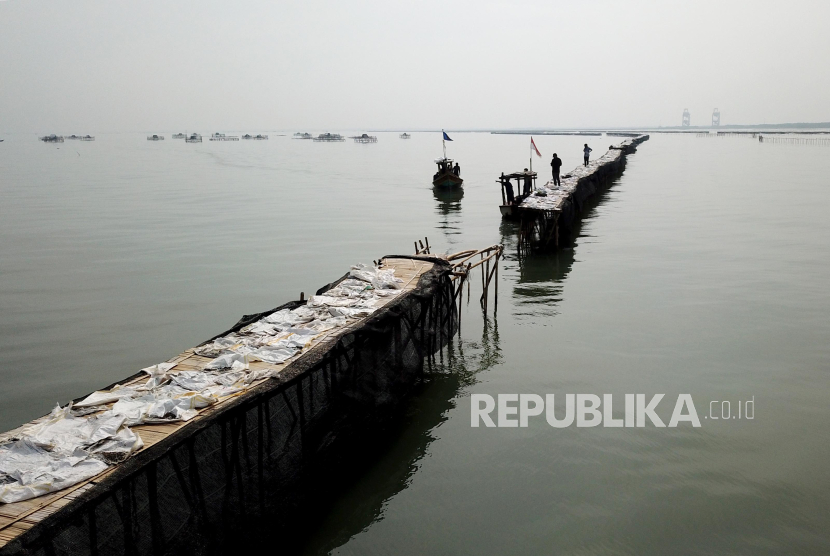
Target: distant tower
[
  {"x": 716, "y": 118},
  {"x": 686, "y": 118}
]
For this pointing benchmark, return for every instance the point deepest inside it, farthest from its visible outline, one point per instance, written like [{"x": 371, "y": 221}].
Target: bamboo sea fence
[{"x": 776, "y": 139}]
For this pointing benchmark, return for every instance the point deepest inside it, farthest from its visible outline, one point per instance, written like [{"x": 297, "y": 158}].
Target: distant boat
[
  {"x": 194, "y": 138},
  {"x": 87, "y": 138},
  {"x": 404, "y": 136},
  {"x": 51, "y": 138},
  {"x": 329, "y": 138},
  {"x": 155, "y": 137},
  {"x": 302, "y": 136},
  {"x": 255, "y": 137},
  {"x": 445, "y": 176},
  {"x": 223, "y": 137},
  {"x": 365, "y": 138},
  {"x": 179, "y": 136}
]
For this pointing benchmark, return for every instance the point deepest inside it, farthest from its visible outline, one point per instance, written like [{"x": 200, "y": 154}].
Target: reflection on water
[
  {"x": 352, "y": 485},
  {"x": 449, "y": 211},
  {"x": 538, "y": 289},
  {"x": 538, "y": 277}
]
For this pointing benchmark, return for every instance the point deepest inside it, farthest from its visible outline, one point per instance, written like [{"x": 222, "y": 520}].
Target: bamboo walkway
[{"x": 17, "y": 518}]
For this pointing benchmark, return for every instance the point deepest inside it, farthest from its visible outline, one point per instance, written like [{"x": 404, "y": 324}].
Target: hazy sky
[{"x": 79, "y": 66}]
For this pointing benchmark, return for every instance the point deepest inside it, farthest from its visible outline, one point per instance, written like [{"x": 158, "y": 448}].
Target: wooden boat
[
  {"x": 525, "y": 181},
  {"x": 329, "y": 138},
  {"x": 446, "y": 175},
  {"x": 365, "y": 138},
  {"x": 222, "y": 137}
]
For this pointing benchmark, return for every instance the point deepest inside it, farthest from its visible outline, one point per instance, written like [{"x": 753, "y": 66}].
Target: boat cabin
[
  {"x": 525, "y": 185},
  {"x": 447, "y": 174}
]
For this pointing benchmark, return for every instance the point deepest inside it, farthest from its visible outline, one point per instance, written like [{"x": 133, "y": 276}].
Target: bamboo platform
[{"x": 16, "y": 519}]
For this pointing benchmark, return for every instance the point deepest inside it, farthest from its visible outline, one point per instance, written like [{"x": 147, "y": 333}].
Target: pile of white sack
[
  {"x": 550, "y": 196},
  {"x": 79, "y": 441},
  {"x": 547, "y": 197}
]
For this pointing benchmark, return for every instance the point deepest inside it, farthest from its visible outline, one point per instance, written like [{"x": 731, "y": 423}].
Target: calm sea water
[{"x": 703, "y": 270}]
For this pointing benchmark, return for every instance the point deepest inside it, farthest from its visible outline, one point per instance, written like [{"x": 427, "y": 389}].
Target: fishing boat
[
  {"x": 329, "y": 138},
  {"x": 51, "y": 138},
  {"x": 365, "y": 138},
  {"x": 223, "y": 137},
  {"x": 255, "y": 137},
  {"x": 299, "y": 135},
  {"x": 179, "y": 136},
  {"x": 525, "y": 184},
  {"x": 447, "y": 175},
  {"x": 404, "y": 136},
  {"x": 155, "y": 137},
  {"x": 194, "y": 138}
]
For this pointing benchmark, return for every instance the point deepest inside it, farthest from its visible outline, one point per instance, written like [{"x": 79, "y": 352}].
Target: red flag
[{"x": 532, "y": 144}]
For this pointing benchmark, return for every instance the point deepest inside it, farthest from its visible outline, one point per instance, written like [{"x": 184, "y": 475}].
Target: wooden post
[
  {"x": 496, "y": 291},
  {"x": 503, "y": 197},
  {"x": 482, "y": 272}
]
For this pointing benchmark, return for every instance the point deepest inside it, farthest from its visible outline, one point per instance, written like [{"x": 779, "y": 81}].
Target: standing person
[
  {"x": 528, "y": 184},
  {"x": 456, "y": 169},
  {"x": 556, "y": 164},
  {"x": 587, "y": 152},
  {"x": 508, "y": 188}
]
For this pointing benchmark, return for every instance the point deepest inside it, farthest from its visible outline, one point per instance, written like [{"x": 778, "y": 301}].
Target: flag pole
[
  {"x": 444, "y": 143},
  {"x": 531, "y": 153}
]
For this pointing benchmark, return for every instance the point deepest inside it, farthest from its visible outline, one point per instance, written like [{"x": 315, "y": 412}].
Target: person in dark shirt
[
  {"x": 457, "y": 169},
  {"x": 508, "y": 188},
  {"x": 587, "y": 152},
  {"x": 528, "y": 184},
  {"x": 556, "y": 164}
]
